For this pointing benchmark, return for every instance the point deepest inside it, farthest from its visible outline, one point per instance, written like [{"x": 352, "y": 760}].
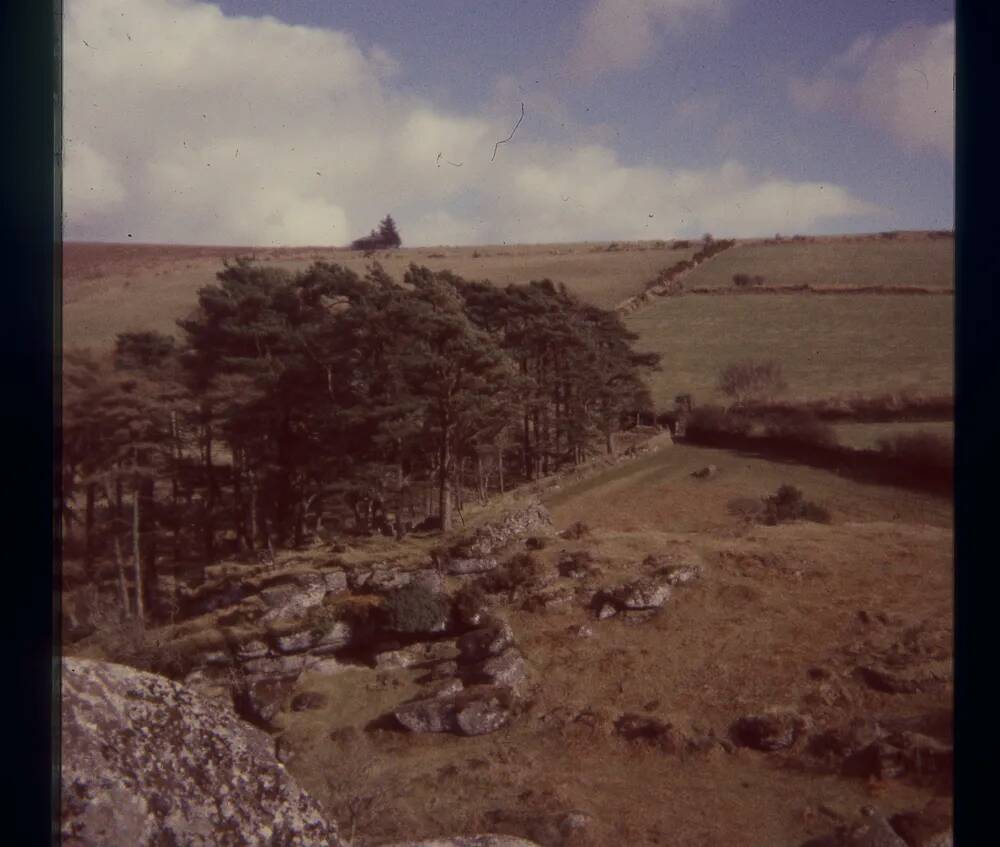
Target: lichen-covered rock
[
  {"x": 494, "y": 536},
  {"x": 461, "y": 566},
  {"x": 477, "y": 710},
  {"x": 259, "y": 701},
  {"x": 489, "y": 640},
  {"x": 641, "y": 594},
  {"x": 507, "y": 669},
  {"x": 145, "y": 761}
]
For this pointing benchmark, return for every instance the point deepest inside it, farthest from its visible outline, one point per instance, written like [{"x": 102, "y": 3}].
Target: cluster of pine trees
[{"x": 297, "y": 398}]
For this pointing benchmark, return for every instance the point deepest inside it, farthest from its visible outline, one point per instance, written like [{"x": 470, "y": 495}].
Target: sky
[{"x": 259, "y": 122}]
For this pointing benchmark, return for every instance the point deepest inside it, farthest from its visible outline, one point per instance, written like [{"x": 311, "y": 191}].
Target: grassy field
[
  {"x": 109, "y": 289},
  {"x": 866, "y": 435},
  {"x": 906, "y": 261},
  {"x": 867, "y": 344}
]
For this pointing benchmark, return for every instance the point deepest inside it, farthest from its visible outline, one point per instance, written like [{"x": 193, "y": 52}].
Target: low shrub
[
  {"x": 576, "y": 531},
  {"x": 536, "y": 542},
  {"x": 470, "y": 601},
  {"x": 788, "y": 504},
  {"x": 415, "y": 608},
  {"x": 520, "y": 571},
  {"x": 747, "y": 281}
]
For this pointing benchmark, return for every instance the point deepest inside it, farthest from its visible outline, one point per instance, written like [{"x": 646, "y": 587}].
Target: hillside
[{"x": 112, "y": 288}]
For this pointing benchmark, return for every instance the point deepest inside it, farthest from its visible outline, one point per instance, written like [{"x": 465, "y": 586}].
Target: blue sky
[{"x": 644, "y": 118}]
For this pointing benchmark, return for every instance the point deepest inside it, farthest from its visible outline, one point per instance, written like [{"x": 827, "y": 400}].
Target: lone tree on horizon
[
  {"x": 388, "y": 233},
  {"x": 386, "y": 236}
]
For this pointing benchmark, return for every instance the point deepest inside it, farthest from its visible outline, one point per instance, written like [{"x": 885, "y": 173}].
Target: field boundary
[
  {"x": 863, "y": 465},
  {"x": 822, "y": 290}
]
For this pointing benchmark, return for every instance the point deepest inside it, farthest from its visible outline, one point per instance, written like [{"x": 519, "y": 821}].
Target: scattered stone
[
  {"x": 328, "y": 665},
  {"x": 253, "y": 649},
  {"x": 475, "y": 711},
  {"x": 902, "y": 753},
  {"x": 340, "y": 635},
  {"x": 490, "y": 640},
  {"x": 463, "y": 566},
  {"x": 296, "y": 642},
  {"x": 260, "y": 701},
  {"x": 705, "y": 472},
  {"x": 576, "y": 565},
  {"x": 910, "y": 680},
  {"x": 306, "y": 701},
  {"x": 492, "y": 537},
  {"x": 507, "y": 669},
  {"x": 605, "y": 611},
  {"x": 928, "y": 827},
  {"x": 277, "y": 666},
  {"x": 335, "y": 582},
  {"x": 674, "y": 571},
  {"x": 583, "y": 631},
  {"x": 838, "y": 743},
  {"x": 641, "y": 594},
  {"x": 774, "y": 730},
  {"x": 133, "y": 768}
]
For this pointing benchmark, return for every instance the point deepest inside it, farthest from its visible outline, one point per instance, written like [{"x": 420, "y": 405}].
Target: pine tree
[{"x": 388, "y": 233}]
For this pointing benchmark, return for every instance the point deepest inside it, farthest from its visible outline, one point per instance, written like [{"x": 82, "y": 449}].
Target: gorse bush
[
  {"x": 415, "y": 608},
  {"x": 747, "y": 281},
  {"x": 788, "y": 504},
  {"x": 520, "y": 571}
]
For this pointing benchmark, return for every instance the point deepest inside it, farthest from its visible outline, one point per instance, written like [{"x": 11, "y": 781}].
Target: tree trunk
[
  {"x": 137, "y": 556},
  {"x": 444, "y": 480},
  {"x": 88, "y": 524},
  {"x": 500, "y": 467},
  {"x": 122, "y": 586},
  {"x": 175, "y": 504},
  {"x": 209, "y": 525},
  {"x": 253, "y": 509}
]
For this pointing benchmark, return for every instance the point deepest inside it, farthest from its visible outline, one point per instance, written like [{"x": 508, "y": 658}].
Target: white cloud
[
  {"x": 902, "y": 82},
  {"x": 617, "y": 34},
  {"x": 184, "y": 125}
]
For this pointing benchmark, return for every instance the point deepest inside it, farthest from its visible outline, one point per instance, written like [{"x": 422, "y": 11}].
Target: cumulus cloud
[
  {"x": 185, "y": 125},
  {"x": 621, "y": 34},
  {"x": 902, "y": 82}
]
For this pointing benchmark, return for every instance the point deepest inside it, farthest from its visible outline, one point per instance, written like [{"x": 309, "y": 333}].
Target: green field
[
  {"x": 907, "y": 261},
  {"x": 827, "y": 346}
]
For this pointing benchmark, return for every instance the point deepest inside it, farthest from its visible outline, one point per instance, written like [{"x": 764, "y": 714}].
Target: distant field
[
  {"x": 866, "y": 344},
  {"x": 109, "y": 289},
  {"x": 906, "y": 261},
  {"x": 866, "y": 435}
]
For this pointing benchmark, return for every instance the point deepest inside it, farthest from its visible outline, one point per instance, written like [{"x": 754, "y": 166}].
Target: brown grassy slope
[
  {"x": 912, "y": 259},
  {"x": 827, "y": 346},
  {"x": 774, "y": 603},
  {"x": 112, "y": 288}
]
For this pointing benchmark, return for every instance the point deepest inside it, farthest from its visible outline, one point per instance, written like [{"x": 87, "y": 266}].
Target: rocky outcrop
[
  {"x": 474, "y": 711},
  {"x": 489, "y": 640},
  {"x": 495, "y": 536},
  {"x": 147, "y": 762}
]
